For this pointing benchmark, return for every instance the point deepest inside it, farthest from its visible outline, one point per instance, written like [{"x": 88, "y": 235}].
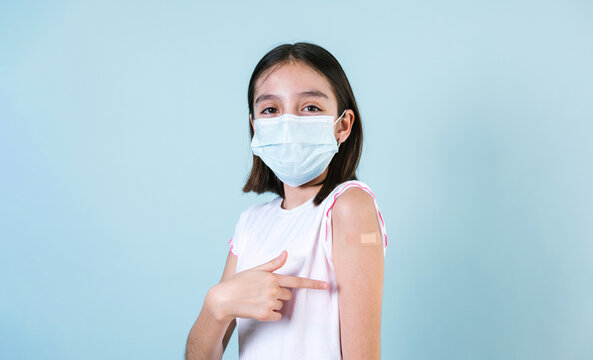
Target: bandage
[{"x": 364, "y": 239}]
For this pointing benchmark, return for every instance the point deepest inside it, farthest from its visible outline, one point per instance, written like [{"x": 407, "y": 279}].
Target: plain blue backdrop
[{"x": 124, "y": 145}]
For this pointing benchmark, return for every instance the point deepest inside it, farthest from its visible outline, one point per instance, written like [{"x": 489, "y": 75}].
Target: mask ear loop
[{"x": 338, "y": 119}]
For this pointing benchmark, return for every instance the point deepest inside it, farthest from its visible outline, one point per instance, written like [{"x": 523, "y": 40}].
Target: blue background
[{"x": 124, "y": 145}]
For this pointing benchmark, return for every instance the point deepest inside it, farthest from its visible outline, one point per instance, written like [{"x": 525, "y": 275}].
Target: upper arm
[
  {"x": 359, "y": 273},
  {"x": 230, "y": 269}
]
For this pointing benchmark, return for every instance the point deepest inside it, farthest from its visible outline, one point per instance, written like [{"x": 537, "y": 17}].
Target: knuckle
[
  {"x": 261, "y": 314},
  {"x": 271, "y": 279}
]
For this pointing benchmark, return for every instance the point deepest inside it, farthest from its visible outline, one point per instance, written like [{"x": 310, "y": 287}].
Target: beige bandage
[{"x": 364, "y": 239}]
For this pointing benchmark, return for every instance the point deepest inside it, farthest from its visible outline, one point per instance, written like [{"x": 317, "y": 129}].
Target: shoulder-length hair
[{"x": 345, "y": 162}]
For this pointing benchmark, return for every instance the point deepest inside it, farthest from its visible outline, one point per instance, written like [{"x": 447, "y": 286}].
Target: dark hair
[{"x": 344, "y": 163}]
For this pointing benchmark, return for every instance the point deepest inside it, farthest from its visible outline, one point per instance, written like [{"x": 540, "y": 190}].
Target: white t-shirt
[{"x": 309, "y": 327}]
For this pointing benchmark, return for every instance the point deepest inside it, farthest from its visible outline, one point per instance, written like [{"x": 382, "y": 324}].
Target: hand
[{"x": 256, "y": 293}]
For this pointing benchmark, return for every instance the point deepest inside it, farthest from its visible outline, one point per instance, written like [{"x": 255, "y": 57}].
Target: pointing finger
[{"x": 300, "y": 282}]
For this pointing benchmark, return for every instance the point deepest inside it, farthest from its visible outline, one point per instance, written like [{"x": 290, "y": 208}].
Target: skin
[{"x": 258, "y": 292}]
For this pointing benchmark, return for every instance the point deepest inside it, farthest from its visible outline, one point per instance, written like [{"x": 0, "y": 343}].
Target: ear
[
  {"x": 251, "y": 121},
  {"x": 344, "y": 126}
]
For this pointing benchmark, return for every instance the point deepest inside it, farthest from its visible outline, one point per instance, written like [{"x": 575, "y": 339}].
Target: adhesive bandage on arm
[{"x": 364, "y": 239}]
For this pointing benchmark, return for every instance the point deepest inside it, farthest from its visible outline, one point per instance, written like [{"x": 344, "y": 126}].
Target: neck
[{"x": 296, "y": 196}]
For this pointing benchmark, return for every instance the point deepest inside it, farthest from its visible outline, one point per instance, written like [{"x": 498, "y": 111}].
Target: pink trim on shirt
[
  {"x": 232, "y": 252},
  {"x": 335, "y": 198}
]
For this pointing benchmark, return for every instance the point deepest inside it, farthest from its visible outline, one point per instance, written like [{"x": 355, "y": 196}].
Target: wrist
[{"x": 215, "y": 305}]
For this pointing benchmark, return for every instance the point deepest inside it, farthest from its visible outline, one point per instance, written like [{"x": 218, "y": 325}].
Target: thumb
[{"x": 273, "y": 264}]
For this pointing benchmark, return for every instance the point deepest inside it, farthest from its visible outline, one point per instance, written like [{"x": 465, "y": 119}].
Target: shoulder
[
  {"x": 252, "y": 215},
  {"x": 354, "y": 208},
  {"x": 353, "y": 204},
  {"x": 261, "y": 208},
  {"x": 352, "y": 198}
]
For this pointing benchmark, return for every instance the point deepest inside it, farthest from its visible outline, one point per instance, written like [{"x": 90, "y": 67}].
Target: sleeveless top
[{"x": 309, "y": 327}]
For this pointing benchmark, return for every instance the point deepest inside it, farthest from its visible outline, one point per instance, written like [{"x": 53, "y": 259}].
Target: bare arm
[
  {"x": 358, "y": 260},
  {"x": 210, "y": 335}
]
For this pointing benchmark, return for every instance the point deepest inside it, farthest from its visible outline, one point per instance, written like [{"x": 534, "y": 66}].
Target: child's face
[
  {"x": 293, "y": 88},
  {"x": 296, "y": 88}
]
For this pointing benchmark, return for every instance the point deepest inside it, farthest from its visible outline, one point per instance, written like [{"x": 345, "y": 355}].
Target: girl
[{"x": 319, "y": 244}]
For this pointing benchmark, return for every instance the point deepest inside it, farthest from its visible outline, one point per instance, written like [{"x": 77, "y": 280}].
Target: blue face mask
[{"x": 297, "y": 148}]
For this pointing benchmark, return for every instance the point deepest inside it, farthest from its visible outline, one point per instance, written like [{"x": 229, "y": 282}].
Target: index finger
[{"x": 300, "y": 282}]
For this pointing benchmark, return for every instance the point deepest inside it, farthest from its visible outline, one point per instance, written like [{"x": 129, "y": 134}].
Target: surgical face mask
[{"x": 297, "y": 148}]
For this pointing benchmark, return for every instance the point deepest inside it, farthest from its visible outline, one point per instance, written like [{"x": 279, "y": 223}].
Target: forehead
[{"x": 291, "y": 78}]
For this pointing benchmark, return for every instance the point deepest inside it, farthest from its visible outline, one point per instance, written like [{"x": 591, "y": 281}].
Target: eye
[
  {"x": 312, "y": 106},
  {"x": 264, "y": 110}
]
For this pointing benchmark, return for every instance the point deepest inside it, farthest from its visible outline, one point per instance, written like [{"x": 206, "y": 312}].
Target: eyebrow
[{"x": 309, "y": 93}]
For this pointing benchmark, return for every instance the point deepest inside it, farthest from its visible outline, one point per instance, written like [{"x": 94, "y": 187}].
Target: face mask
[{"x": 297, "y": 148}]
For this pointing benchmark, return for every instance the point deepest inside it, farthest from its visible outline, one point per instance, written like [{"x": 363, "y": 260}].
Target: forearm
[{"x": 205, "y": 340}]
